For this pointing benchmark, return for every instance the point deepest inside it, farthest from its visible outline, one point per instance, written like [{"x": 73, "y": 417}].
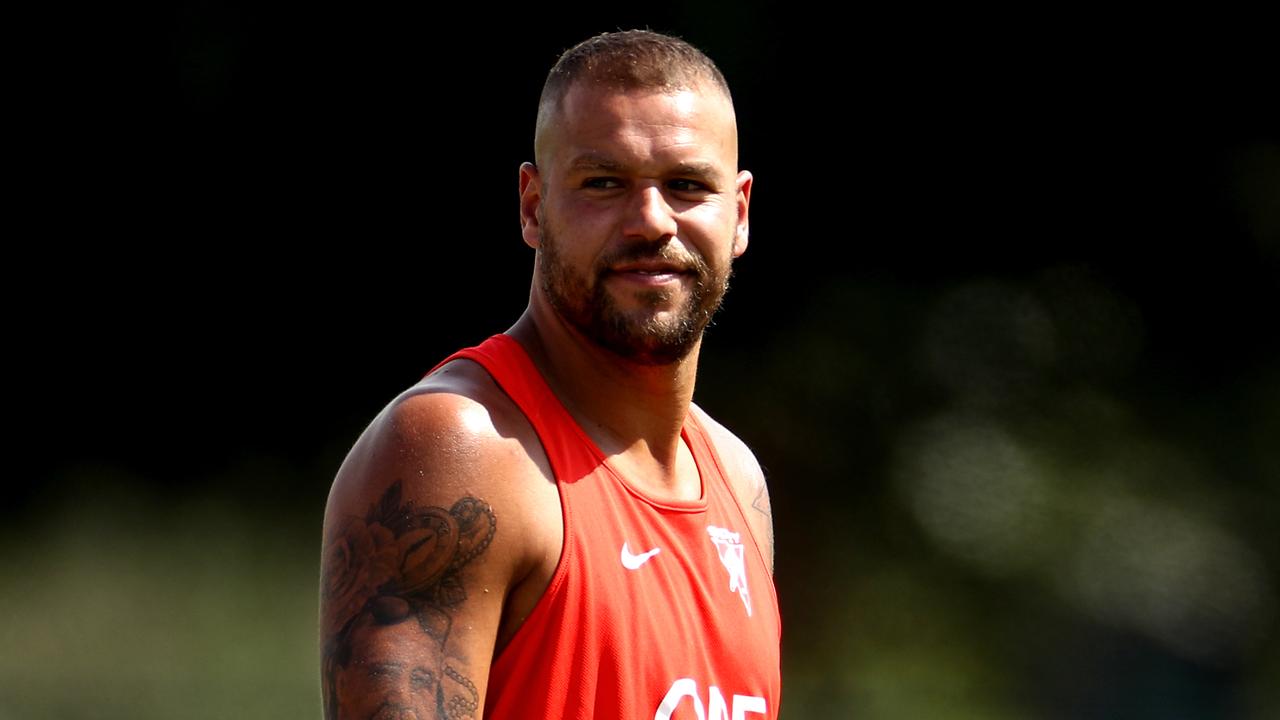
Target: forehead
[{"x": 642, "y": 125}]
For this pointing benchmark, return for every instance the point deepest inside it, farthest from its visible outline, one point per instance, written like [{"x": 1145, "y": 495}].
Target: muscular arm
[
  {"x": 394, "y": 587},
  {"x": 419, "y": 553}
]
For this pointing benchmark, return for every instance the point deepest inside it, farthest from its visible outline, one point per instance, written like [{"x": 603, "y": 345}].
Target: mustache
[{"x": 639, "y": 252}]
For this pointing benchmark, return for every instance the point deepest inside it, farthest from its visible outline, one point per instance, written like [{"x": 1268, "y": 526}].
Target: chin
[{"x": 652, "y": 346}]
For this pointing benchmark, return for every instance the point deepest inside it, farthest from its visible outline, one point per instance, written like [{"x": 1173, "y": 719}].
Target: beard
[{"x": 652, "y": 334}]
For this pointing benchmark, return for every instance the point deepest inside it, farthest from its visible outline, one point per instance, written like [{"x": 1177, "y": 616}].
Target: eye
[
  {"x": 422, "y": 679},
  {"x": 684, "y": 185},
  {"x": 602, "y": 183}
]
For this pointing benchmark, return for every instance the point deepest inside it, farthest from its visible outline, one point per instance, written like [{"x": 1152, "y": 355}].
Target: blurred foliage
[
  {"x": 985, "y": 509},
  {"x": 120, "y": 605}
]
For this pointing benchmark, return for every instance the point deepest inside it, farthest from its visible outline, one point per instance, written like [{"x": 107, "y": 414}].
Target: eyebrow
[
  {"x": 595, "y": 162},
  {"x": 598, "y": 163},
  {"x": 704, "y": 170},
  {"x": 385, "y": 668}
]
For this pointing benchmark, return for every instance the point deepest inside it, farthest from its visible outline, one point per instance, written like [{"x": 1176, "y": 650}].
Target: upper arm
[
  {"x": 758, "y": 489},
  {"x": 748, "y": 481},
  {"x": 417, "y": 560},
  {"x": 759, "y": 510}
]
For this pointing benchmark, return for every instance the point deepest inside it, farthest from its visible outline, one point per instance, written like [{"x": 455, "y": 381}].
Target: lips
[
  {"x": 650, "y": 275},
  {"x": 651, "y": 268}
]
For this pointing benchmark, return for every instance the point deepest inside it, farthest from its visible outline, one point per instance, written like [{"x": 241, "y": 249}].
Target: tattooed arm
[{"x": 427, "y": 533}]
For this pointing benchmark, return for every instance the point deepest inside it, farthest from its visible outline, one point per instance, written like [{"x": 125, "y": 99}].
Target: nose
[{"x": 648, "y": 215}]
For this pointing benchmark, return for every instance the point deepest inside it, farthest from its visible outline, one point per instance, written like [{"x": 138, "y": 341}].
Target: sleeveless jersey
[{"x": 659, "y": 609}]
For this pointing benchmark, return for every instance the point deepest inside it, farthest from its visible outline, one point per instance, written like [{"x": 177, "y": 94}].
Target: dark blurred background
[{"x": 1000, "y": 339}]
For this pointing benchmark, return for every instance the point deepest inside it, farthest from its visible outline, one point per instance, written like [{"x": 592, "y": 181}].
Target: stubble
[{"x": 647, "y": 335}]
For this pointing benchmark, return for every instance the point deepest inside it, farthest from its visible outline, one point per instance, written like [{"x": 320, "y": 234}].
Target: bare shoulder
[
  {"x": 747, "y": 478},
  {"x": 433, "y": 517},
  {"x": 453, "y": 435},
  {"x": 447, "y": 434}
]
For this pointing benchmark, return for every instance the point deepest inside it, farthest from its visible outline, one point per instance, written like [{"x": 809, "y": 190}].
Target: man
[{"x": 545, "y": 526}]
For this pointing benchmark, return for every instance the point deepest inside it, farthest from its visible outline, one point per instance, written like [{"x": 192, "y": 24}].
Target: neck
[{"x": 630, "y": 410}]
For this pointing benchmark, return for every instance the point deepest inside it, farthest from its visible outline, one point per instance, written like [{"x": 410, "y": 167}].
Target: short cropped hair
[{"x": 629, "y": 60}]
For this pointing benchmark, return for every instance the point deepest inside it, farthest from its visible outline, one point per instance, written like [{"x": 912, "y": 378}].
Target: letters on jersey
[{"x": 715, "y": 709}]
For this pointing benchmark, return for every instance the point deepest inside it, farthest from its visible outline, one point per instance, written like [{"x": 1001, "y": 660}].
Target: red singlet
[{"x": 658, "y": 609}]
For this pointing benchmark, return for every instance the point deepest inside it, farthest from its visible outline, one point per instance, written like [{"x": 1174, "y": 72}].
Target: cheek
[
  {"x": 586, "y": 220},
  {"x": 566, "y": 254},
  {"x": 358, "y": 691},
  {"x": 713, "y": 229}
]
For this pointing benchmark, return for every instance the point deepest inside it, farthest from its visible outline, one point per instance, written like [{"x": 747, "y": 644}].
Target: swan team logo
[{"x": 729, "y": 546}]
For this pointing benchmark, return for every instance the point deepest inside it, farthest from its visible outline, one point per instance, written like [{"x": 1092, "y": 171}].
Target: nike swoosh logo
[{"x": 633, "y": 562}]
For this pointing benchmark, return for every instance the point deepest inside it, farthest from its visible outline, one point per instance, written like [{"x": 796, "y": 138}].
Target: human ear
[
  {"x": 744, "y": 202},
  {"x": 530, "y": 201}
]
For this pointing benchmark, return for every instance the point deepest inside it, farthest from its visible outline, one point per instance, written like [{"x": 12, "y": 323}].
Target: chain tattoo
[{"x": 459, "y": 707}]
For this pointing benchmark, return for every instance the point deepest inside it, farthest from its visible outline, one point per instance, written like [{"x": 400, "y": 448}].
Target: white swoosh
[{"x": 633, "y": 562}]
